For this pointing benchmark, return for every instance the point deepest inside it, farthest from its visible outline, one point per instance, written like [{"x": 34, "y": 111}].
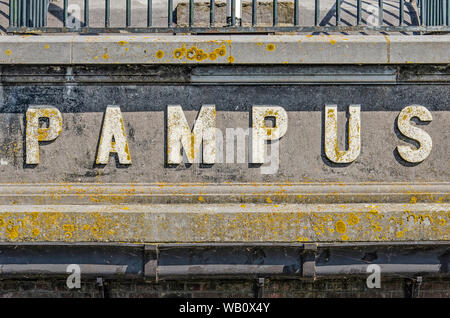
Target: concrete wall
[{"x": 377, "y": 198}]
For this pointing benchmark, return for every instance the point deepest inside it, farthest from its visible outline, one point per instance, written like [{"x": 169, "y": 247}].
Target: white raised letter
[
  {"x": 261, "y": 133},
  {"x": 34, "y": 133},
  {"x": 354, "y": 136},
  {"x": 179, "y": 133},
  {"x": 404, "y": 126},
  {"x": 113, "y": 127}
]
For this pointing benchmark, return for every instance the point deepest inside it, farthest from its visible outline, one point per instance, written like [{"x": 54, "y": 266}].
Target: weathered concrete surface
[
  {"x": 225, "y": 222},
  {"x": 292, "y": 49},
  {"x": 67, "y": 197},
  {"x": 413, "y": 50},
  {"x": 19, "y": 49}
]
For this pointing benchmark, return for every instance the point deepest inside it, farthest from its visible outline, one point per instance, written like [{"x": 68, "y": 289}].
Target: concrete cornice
[
  {"x": 221, "y": 49},
  {"x": 193, "y": 213}
]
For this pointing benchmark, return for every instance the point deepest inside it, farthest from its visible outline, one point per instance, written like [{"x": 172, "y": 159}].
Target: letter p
[{"x": 35, "y": 134}]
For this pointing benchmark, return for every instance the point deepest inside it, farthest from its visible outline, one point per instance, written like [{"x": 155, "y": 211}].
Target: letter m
[{"x": 179, "y": 134}]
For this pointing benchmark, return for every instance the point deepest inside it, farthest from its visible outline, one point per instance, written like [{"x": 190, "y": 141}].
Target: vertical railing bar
[
  {"x": 296, "y": 17},
  {"x": 191, "y": 13},
  {"x": 433, "y": 12},
  {"x": 86, "y": 13},
  {"x": 438, "y": 14},
  {"x": 128, "y": 13},
  {"x": 65, "y": 18},
  {"x": 17, "y": 14},
  {"x": 448, "y": 13},
  {"x": 233, "y": 12},
  {"x": 254, "y": 12},
  {"x": 21, "y": 12},
  {"x": 211, "y": 13},
  {"x": 316, "y": 12},
  {"x": 149, "y": 13},
  {"x": 36, "y": 12},
  {"x": 275, "y": 12},
  {"x": 33, "y": 13},
  {"x": 11, "y": 14},
  {"x": 107, "y": 14},
  {"x": 39, "y": 13},
  {"x": 12, "y": 4},
  {"x": 44, "y": 14},
  {"x": 358, "y": 13},
  {"x": 338, "y": 12},
  {"x": 447, "y": 22},
  {"x": 380, "y": 13},
  {"x": 38, "y": 18},
  {"x": 169, "y": 13},
  {"x": 29, "y": 17},
  {"x": 401, "y": 13},
  {"x": 420, "y": 12}
]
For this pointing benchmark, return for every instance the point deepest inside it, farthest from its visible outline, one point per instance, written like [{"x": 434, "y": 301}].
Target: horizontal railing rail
[{"x": 28, "y": 16}]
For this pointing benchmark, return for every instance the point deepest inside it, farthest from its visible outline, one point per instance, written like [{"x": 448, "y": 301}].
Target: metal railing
[{"x": 28, "y": 16}]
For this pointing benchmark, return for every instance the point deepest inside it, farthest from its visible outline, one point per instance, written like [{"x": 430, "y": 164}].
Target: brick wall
[{"x": 390, "y": 288}]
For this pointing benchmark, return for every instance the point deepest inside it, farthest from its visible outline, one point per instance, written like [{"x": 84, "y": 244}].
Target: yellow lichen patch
[
  {"x": 413, "y": 200},
  {"x": 201, "y": 199},
  {"x": 221, "y": 51},
  {"x": 259, "y": 43},
  {"x": 352, "y": 219},
  {"x": 95, "y": 57},
  {"x": 230, "y": 59},
  {"x": 191, "y": 53},
  {"x": 344, "y": 237},
  {"x": 333, "y": 42},
  {"x": 36, "y": 232},
  {"x": 179, "y": 53},
  {"x": 270, "y": 47},
  {"x": 268, "y": 200},
  {"x": 212, "y": 56},
  {"x": 68, "y": 227},
  {"x": 201, "y": 55},
  {"x": 8, "y": 52},
  {"x": 399, "y": 234},
  {"x": 341, "y": 227},
  {"x": 159, "y": 54},
  {"x": 122, "y": 43},
  {"x": 373, "y": 211},
  {"x": 105, "y": 56},
  {"x": 47, "y": 46}
]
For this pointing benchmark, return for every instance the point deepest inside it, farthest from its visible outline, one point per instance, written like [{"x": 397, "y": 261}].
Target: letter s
[{"x": 404, "y": 126}]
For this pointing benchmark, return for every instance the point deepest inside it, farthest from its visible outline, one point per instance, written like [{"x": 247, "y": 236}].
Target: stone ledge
[
  {"x": 194, "y": 213},
  {"x": 233, "y": 49},
  {"x": 194, "y": 223}
]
